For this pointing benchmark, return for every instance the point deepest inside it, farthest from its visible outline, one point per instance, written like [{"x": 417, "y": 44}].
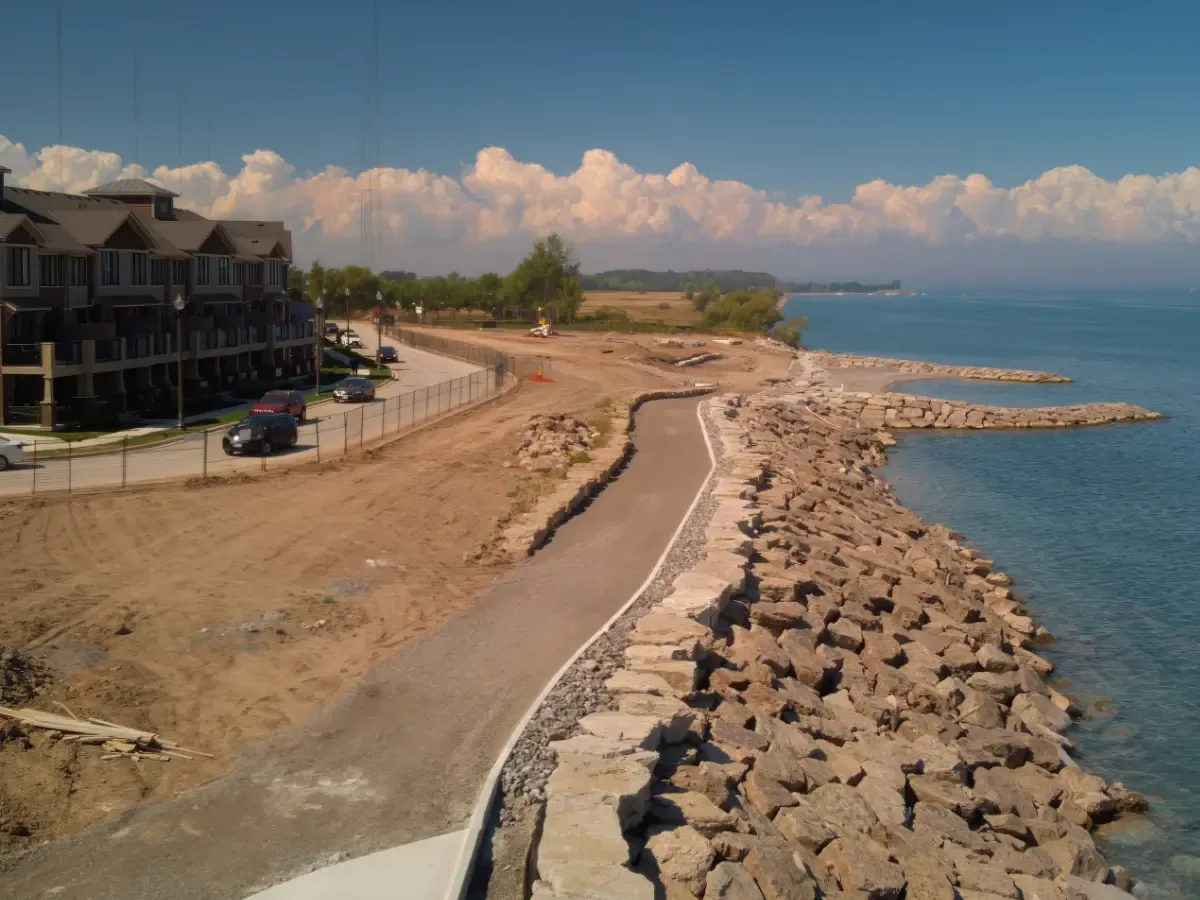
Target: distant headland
[{"x": 726, "y": 281}]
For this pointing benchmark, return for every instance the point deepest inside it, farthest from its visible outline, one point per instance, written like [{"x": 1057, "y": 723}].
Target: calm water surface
[{"x": 1099, "y": 527}]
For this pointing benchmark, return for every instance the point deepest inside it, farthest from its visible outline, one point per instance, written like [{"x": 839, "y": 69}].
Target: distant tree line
[
  {"x": 726, "y": 280},
  {"x": 836, "y": 287},
  {"x": 547, "y": 278}
]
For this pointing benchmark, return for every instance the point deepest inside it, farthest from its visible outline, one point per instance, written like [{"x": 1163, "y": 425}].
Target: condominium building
[{"x": 88, "y": 287}]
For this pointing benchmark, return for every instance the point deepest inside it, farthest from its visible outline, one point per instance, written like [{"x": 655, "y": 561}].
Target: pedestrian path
[{"x": 402, "y": 757}]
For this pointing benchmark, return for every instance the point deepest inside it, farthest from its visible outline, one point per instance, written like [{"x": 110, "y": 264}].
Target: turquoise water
[{"x": 1099, "y": 527}]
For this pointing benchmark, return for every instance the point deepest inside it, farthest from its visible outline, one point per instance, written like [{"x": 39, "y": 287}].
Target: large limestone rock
[
  {"x": 731, "y": 881},
  {"x": 777, "y": 875},
  {"x": 864, "y": 868},
  {"x": 620, "y": 782},
  {"x": 679, "y": 853}
]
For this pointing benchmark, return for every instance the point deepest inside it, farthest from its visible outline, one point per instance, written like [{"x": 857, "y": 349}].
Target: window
[
  {"x": 255, "y": 273},
  {"x": 19, "y": 274},
  {"x": 157, "y": 272},
  {"x": 202, "y": 269},
  {"x": 162, "y": 207},
  {"x": 51, "y": 271},
  {"x": 79, "y": 269},
  {"x": 139, "y": 268},
  {"x": 222, "y": 270},
  {"x": 110, "y": 267},
  {"x": 284, "y": 279},
  {"x": 239, "y": 273},
  {"x": 179, "y": 272}
]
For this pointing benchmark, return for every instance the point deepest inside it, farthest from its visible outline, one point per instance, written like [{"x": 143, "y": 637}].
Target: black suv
[
  {"x": 261, "y": 434},
  {"x": 354, "y": 388}
]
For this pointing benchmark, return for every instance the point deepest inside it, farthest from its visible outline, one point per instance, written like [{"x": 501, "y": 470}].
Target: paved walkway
[{"x": 402, "y": 756}]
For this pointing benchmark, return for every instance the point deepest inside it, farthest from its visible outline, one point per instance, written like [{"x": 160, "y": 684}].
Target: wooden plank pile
[{"x": 117, "y": 741}]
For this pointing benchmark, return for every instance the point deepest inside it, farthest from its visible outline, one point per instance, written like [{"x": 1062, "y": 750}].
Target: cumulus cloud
[{"x": 606, "y": 201}]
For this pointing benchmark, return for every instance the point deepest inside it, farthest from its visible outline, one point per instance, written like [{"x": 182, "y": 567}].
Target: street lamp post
[
  {"x": 179, "y": 304},
  {"x": 378, "y": 329},
  {"x": 346, "y": 293},
  {"x": 320, "y": 340}
]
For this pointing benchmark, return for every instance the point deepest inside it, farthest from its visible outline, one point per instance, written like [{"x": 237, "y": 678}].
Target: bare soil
[{"x": 217, "y": 613}]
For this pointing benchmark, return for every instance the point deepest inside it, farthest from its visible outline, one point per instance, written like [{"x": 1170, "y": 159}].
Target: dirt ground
[{"x": 218, "y": 613}]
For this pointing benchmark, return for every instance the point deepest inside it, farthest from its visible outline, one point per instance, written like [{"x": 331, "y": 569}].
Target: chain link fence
[{"x": 329, "y": 432}]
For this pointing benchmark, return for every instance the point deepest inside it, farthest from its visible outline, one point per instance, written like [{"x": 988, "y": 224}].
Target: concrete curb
[
  {"x": 464, "y": 866},
  {"x": 582, "y": 482}
]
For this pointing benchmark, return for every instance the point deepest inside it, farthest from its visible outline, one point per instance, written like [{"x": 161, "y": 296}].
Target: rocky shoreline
[
  {"x": 827, "y": 360},
  {"x": 835, "y": 700}
]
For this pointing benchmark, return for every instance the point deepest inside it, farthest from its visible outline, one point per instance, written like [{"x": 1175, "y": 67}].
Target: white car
[
  {"x": 350, "y": 339},
  {"x": 10, "y": 453}
]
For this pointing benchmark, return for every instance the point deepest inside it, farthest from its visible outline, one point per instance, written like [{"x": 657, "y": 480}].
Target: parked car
[
  {"x": 261, "y": 434},
  {"x": 353, "y": 388},
  {"x": 331, "y": 328},
  {"x": 291, "y": 402},
  {"x": 350, "y": 339},
  {"x": 10, "y": 453},
  {"x": 388, "y": 354}
]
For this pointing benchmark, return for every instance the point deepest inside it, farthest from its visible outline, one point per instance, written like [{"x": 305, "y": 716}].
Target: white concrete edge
[{"x": 460, "y": 878}]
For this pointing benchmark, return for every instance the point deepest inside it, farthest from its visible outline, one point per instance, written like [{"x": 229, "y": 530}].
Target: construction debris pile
[
  {"x": 550, "y": 442},
  {"x": 20, "y": 677},
  {"x": 115, "y": 740}
]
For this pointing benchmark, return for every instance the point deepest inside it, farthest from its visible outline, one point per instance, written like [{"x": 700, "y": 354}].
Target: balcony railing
[
  {"x": 108, "y": 351},
  {"x": 22, "y": 354},
  {"x": 68, "y": 353}
]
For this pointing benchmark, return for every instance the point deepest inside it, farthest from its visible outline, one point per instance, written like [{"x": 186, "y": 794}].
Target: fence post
[
  {"x": 345, "y": 433},
  {"x": 35, "y": 468},
  {"x": 124, "y": 460},
  {"x": 362, "y": 424},
  {"x": 69, "y": 466},
  {"x": 204, "y": 451},
  {"x": 317, "y": 426}
]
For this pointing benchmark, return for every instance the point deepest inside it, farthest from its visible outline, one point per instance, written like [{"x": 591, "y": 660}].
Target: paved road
[
  {"x": 425, "y": 384},
  {"x": 402, "y": 757}
]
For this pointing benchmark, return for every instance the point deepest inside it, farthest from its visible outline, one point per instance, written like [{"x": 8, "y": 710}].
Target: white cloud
[{"x": 607, "y": 201}]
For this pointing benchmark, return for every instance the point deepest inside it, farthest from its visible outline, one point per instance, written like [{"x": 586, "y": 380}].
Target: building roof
[
  {"x": 261, "y": 231},
  {"x": 129, "y": 187},
  {"x": 60, "y": 240},
  {"x": 94, "y": 226},
  {"x": 9, "y": 223}
]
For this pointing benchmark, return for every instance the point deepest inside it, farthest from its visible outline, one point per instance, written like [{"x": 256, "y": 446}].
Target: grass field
[{"x": 667, "y": 308}]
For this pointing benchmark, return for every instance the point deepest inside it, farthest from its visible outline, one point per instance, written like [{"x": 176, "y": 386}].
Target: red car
[{"x": 281, "y": 402}]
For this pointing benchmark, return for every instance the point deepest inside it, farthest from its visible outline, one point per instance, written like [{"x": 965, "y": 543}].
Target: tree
[
  {"x": 297, "y": 283},
  {"x": 547, "y": 277},
  {"x": 791, "y": 331}
]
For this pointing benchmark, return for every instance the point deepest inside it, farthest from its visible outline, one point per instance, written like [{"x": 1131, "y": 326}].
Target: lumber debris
[{"x": 115, "y": 740}]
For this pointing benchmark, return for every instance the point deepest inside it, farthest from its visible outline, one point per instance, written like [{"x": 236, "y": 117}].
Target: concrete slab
[{"x": 424, "y": 869}]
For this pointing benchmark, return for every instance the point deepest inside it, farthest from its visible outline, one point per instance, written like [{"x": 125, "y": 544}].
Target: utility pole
[{"x": 62, "y": 174}]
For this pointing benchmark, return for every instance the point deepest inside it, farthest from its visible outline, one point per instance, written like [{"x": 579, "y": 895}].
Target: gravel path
[{"x": 581, "y": 690}]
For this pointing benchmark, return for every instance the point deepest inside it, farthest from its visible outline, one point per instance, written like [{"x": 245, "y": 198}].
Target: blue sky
[
  {"x": 797, "y": 97},
  {"x": 792, "y": 98}
]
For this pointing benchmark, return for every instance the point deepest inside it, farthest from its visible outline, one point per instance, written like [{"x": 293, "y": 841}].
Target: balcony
[
  {"x": 108, "y": 351},
  {"x": 91, "y": 331},
  {"x": 22, "y": 354},
  {"x": 68, "y": 353},
  {"x": 138, "y": 347}
]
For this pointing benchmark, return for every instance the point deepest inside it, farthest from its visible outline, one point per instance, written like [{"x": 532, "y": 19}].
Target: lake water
[{"x": 1099, "y": 527}]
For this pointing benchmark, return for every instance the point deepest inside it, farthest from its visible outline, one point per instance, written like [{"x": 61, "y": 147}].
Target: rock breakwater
[
  {"x": 894, "y": 410},
  {"x": 915, "y": 367},
  {"x": 836, "y": 700}
]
